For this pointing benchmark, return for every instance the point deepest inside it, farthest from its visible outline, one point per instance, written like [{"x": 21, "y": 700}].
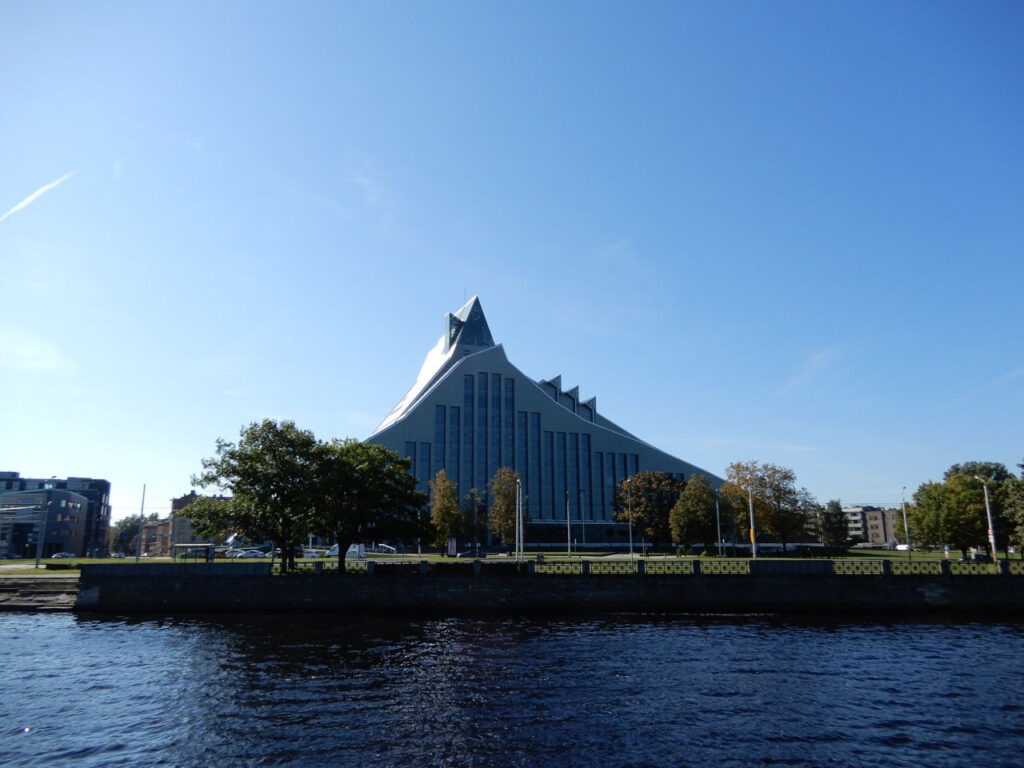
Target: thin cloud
[
  {"x": 989, "y": 385},
  {"x": 31, "y": 198},
  {"x": 25, "y": 352},
  {"x": 816, "y": 365},
  {"x": 373, "y": 191}
]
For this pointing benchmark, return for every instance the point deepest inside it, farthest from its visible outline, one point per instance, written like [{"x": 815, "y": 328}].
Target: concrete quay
[{"x": 477, "y": 588}]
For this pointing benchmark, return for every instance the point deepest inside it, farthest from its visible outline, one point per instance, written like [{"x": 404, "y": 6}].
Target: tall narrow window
[
  {"x": 480, "y": 460},
  {"x": 468, "y": 398},
  {"x": 453, "y": 464},
  {"x": 560, "y": 475},
  {"x": 508, "y": 456},
  {"x": 586, "y": 485},
  {"x": 494, "y": 457},
  {"x": 439, "y": 439},
  {"x": 535, "y": 475},
  {"x": 424, "y": 473},
  {"x": 547, "y": 511},
  {"x": 572, "y": 478}
]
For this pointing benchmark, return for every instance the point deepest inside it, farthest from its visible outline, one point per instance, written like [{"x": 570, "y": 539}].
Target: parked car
[
  {"x": 251, "y": 553},
  {"x": 57, "y": 555},
  {"x": 118, "y": 555},
  {"x": 473, "y": 555}
]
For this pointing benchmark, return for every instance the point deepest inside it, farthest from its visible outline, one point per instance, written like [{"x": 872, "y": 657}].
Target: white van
[{"x": 356, "y": 550}]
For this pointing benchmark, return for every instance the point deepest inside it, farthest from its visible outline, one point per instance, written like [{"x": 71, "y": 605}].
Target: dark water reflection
[{"x": 626, "y": 691}]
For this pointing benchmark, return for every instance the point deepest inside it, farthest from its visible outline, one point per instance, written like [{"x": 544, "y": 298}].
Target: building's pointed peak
[{"x": 468, "y": 326}]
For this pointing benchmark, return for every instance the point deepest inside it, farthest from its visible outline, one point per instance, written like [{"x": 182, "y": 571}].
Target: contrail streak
[{"x": 28, "y": 200}]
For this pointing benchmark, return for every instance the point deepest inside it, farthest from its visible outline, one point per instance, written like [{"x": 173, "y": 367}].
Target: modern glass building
[
  {"x": 471, "y": 411},
  {"x": 97, "y": 512}
]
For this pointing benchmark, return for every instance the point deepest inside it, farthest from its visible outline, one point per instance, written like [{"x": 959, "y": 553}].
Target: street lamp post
[
  {"x": 568, "y": 527},
  {"x": 142, "y": 521},
  {"x": 519, "y": 520},
  {"x": 629, "y": 510},
  {"x": 718, "y": 523},
  {"x": 44, "y": 511},
  {"x": 991, "y": 528},
  {"x": 753, "y": 538},
  {"x": 906, "y": 528}
]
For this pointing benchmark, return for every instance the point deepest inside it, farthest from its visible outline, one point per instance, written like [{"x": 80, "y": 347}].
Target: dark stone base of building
[{"x": 244, "y": 588}]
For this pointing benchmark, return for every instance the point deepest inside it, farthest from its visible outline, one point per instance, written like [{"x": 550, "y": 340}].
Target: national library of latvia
[{"x": 471, "y": 411}]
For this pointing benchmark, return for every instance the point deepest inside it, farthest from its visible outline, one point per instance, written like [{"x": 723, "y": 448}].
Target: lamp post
[
  {"x": 718, "y": 523},
  {"x": 753, "y": 538},
  {"x": 44, "y": 511},
  {"x": 568, "y": 528},
  {"x": 906, "y": 528},
  {"x": 991, "y": 528},
  {"x": 142, "y": 521},
  {"x": 629, "y": 510},
  {"x": 519, "y": 520}
]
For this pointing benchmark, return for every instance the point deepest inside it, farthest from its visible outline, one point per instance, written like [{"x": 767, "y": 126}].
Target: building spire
[{"x": 468, "y": 327}]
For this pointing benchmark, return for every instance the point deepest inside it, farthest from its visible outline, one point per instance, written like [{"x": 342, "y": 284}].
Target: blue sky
[{"x": 782, "y": 231}]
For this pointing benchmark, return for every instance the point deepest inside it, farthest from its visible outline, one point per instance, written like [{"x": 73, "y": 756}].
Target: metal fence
[{"x": 689, "y": 567}]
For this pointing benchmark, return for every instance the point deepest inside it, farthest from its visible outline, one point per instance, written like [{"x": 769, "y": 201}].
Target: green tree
[
  {"x": 781, "y": 510},
  {"x": 1001, "y": 483},
  {"x": 832, "y": 530},
  {"x": 503, "y": 503},
  {"x": 1015, "y": 511},
  {"x": 363, "y": 490},
  {"x": 269, "y": 475},
  {"x": 124, "y": 534},
  {"x": 445, "y": 514},
  {"x": 953, "y": 511},
  {"x": 650, "y": 497},
  {"x": 694, "y": 516}
]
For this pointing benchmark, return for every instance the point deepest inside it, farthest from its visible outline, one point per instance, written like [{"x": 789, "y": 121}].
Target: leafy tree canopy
[
  {"x": 649, "y": 498},
  {"x": 503, "y": 503},
  {"x": 445, "y": 514},
  {"x": 781, "y": 510},
  {"x": 694, "y": 518},
  {"x": 284, "y": 484}
]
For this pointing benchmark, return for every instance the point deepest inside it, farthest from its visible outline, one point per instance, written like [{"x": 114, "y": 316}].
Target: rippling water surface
[{"x": 630, "y": 691}]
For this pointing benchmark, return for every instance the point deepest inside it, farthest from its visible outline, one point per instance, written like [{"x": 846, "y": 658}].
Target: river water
[{"x": 621, "y": 691}]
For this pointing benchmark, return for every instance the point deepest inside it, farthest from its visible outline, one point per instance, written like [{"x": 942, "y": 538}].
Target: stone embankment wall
[
  {"x": 251, "y": 588},
  {"x": 26, "y": 593}
]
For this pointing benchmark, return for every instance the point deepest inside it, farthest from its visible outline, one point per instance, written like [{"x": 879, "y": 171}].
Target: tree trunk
[{"x": 342, "y": 554}]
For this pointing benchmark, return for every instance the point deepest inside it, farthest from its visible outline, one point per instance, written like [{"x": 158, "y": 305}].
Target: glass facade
[{"x": 472, "y": 412}]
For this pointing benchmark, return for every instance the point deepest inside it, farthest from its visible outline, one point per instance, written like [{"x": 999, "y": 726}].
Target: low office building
[
  {"x": 58, "y": 518},
  {"x": 471, "y": 411},
  {"x": 97, "y": 512}
]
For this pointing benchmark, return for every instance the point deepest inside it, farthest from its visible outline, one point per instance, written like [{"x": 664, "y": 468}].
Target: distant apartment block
[
  {"x": 160, "y": 538},
  {"x": 96, "y": 522},
  {"x": 872, "y": 525}
]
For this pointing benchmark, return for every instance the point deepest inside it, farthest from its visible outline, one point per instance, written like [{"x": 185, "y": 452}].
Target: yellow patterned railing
[
  {"x": 972, "y": 569},
  {"x": 858, "y": 567},
  {"x": 613, "y": 567},
  {"x": 916, "y": 568},
  {"x": 725, "y": 567},
  {"x": 669, "y": 567},
  {"x": 569, "y": 567}
]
